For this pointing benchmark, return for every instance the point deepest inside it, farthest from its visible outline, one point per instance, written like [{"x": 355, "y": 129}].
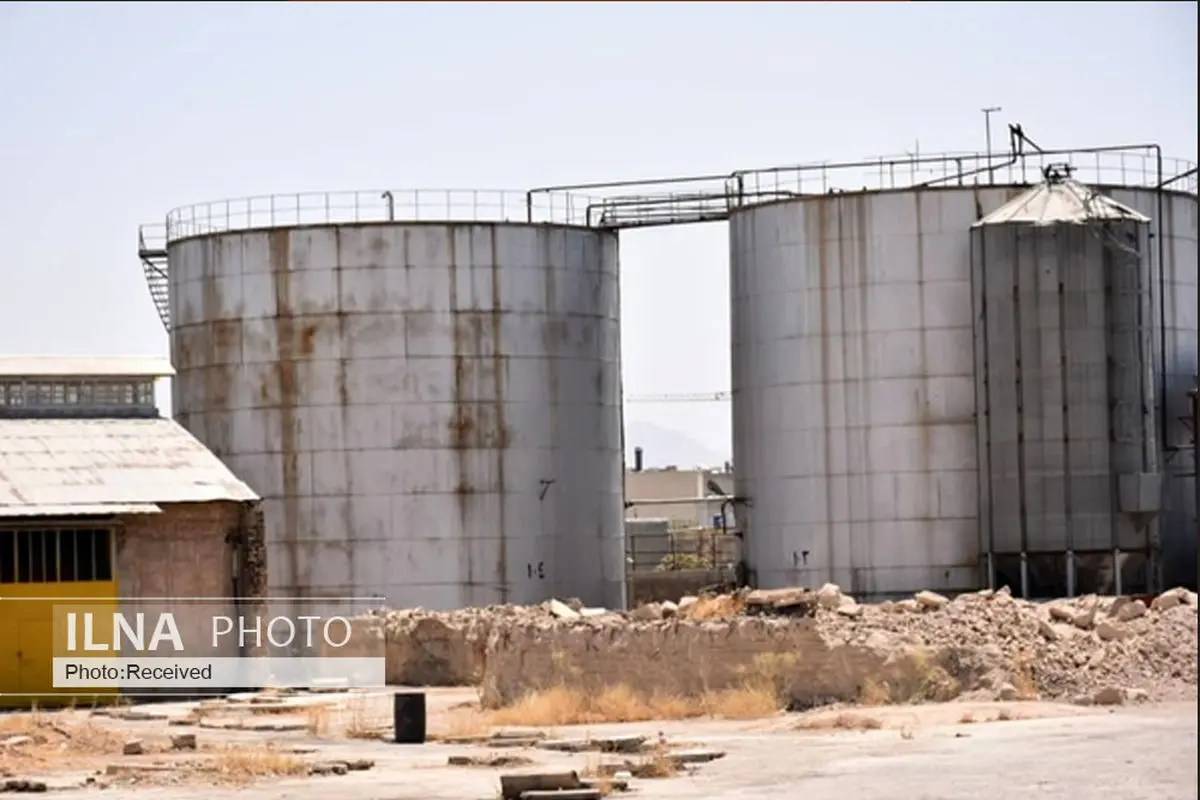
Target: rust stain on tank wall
[
  {"x": 279, "y": 243},
  {"x": 349, "y": 522},
  {"x": 499, "y": 367},
  {"x": 462, "y": 422},
  {"x": 214, "y": 352},
  {"x": 478, "y": 420},
  {"x": 308, "y": 336},
  {"x": 552, "y": 338}
]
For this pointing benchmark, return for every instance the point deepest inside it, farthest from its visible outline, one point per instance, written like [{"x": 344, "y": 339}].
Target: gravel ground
[{"x": 1142, "y": 753}]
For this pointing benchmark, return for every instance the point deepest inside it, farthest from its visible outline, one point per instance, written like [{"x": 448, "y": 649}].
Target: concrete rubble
[{"x": 824, "y": 646}]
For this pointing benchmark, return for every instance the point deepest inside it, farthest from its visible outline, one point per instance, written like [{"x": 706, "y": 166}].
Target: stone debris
[
  {"x": 183, "y": 741},
  {"x": 931, "y": 600},
  {"x": 514, "y": 787},
  {"x": 22, "y": 785},
  {"x": 989, "y": 643},
  {"x": 133, "y": 747},
  {"x": 491, "y": 761},
  {"x": 612, "y": 744}
]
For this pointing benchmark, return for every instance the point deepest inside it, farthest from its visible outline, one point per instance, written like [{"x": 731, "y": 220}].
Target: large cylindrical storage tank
[
  {"x": 854, "y": 386},
  {"x": 1175, "y": 230},
  {"x": 854, "y": 390},
  {"x": 1070, "y": 490},
  {"x": 430, "y": 410}
]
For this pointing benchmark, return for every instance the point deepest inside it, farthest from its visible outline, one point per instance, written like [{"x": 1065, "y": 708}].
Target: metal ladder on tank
[{"x": 153, "y": 256}]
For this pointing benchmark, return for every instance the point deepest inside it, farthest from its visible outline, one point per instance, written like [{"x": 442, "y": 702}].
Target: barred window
[{"x": 54, "y": 555}]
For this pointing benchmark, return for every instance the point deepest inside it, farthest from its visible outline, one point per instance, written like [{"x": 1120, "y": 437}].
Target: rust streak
[
  {"x": 501, "y": 451},
  {"x": 348, "y": 517},
  {"x": 280, "y": 260},
  {"x": 462, "y": 423}
]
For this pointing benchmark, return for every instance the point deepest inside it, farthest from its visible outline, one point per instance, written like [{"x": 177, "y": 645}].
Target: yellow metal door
[{"x": 41, "y": 568}]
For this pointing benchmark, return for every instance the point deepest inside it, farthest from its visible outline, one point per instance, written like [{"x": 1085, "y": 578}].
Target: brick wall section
[
  {"x": 651, "y": 587},
  {"x": 181, "y": 552},
  {"x": 186, "y": 551}
]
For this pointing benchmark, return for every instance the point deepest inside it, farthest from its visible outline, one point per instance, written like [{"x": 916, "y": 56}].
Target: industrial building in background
[
  {"x": 429, "y": 398},
  {"x": 102, "y": 499}
]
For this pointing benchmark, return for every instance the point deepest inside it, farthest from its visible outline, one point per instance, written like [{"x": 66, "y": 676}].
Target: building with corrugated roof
[{"x": 102, "y": 498}]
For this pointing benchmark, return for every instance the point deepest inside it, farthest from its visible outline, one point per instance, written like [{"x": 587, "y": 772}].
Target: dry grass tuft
[
  {"x": 55, "y": 739},
  {"x": 658, "y": 764},
  {"x": 925, "y": 681},
  {"x": 710, "y": 607},
  {"x": 874, "y": 693},
  {"x": 361, "y": 723},
  {"x": 459, "y": 724},
  {"x": 1022, "y": 677},
  {"x": 846, "y": 721},
  {"x": 316, "y": 719},
  {"x": 243, "y": 766},
  {"x": 750, "y": 701},
  {"x": 561, "y": 705}
]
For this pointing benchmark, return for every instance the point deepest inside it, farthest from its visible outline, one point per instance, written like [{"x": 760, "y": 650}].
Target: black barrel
[{"x": 408, "y": 713}]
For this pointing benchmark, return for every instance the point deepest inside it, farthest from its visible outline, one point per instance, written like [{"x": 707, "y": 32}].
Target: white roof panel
[
  {"x": 59, "y": 463},
  {"x": 1060, "y": 202},
  {"x": 79, "y": 510},
  {"x": 79, "y": 366}
]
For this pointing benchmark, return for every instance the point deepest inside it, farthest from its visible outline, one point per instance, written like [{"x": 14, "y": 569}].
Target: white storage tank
[
  {"x": 430, "y": 410},
  {"x": 1174, "y": 228},
  {"x": 854, "y": 389},
  {"x": 1070, "y": 488}
]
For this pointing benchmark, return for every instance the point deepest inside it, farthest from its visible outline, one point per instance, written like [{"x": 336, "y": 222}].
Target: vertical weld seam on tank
[
  {"x": 460, "y": 420},
  {"x": 279, "y": 243},
  {"x": 822, "y": 204},
  {"x": 865, "y": 222},
  {"x": 849, "y": 386},
  {"x": 549, "y": 356},
  {"x": 1064, "y": 369},
  {"x": 502, "y": 434},
  {"x": 983, "y": 420},
  {"x": 215, "y": 389},
  {"x": 1019, "y": 383},
  {"x": 348, "y": 515},
  {"x": 924, "y": 422}
]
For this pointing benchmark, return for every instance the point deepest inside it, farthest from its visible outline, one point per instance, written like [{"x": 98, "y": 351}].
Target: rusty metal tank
[
  {"x": 431, "y": 410},
  {"x": 854, "y": 376}
]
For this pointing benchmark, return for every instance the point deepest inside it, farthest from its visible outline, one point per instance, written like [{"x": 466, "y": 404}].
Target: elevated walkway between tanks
[{"x": 656, "y": 202}]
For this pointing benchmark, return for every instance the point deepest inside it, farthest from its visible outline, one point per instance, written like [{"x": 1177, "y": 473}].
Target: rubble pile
[
  {"x": 823, "y": 646},
  {"x": 442, "y": 648}
]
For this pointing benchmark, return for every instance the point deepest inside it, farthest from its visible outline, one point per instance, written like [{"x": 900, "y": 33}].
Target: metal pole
[
  {"x": 987, "y": 124},
  {"x": 1196, "y": 467}
]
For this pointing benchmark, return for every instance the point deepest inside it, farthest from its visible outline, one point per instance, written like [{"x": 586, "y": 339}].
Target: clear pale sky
[{"x": 113, "y": 113}]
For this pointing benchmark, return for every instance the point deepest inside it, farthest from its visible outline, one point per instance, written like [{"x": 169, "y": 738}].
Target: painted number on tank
[{"x": 537, "y": 570}]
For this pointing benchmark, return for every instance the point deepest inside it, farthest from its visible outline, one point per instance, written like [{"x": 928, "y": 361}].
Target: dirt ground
[{"x": 950, "y": 750}]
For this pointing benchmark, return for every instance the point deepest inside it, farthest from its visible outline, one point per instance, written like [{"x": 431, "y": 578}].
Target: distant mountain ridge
[{"x": 664, "y": 447}]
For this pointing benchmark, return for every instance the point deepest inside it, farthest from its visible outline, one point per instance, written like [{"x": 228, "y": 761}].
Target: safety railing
[
  {"x": 1134, "y": 167},
  {"x": 382, "y": 205},
  {"x": 666, "y": 201}
]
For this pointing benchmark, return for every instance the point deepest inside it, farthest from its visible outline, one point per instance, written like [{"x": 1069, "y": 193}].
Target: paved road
[{"x": 1133, "y": 754}]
